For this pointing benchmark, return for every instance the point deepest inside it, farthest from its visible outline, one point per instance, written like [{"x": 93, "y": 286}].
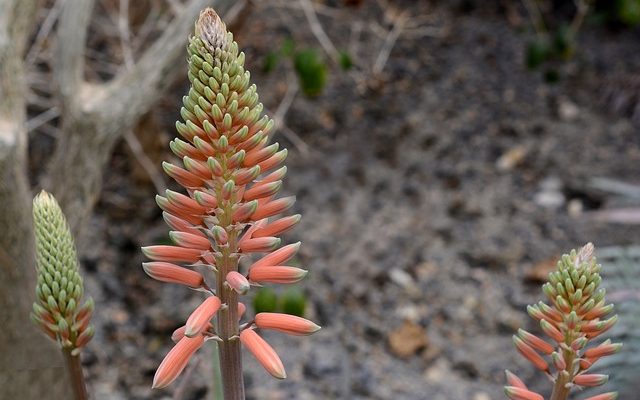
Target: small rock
[
  {"x": 406, "y": 340},
  {"x": 567, "y": 110},
  {"x": 511, "y": 158}
]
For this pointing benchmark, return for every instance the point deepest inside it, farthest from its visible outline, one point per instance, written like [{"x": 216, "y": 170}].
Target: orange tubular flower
[
  {"x": 572, "y": 320},
  {"x": 231, "y": 174},
  {"x": 176, "y": 360},
  {"x": 290, "y": 324},
  {"x": 263, "y": 353}
]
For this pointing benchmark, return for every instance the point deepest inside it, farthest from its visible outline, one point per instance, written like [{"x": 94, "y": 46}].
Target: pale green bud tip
[{"x": 211, "y": 30}]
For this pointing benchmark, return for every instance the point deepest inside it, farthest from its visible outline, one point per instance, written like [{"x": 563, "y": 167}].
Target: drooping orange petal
[
  {"x": 259, "y": 245},
  {"x": 278, "y": 226},
  {"x": 200, "y": 317},
  {"x": 516, "y": 393},
  {"x": 278, "y": 257},
  {"x": 172, "y": 253},
  {"x": 273, "y": 207},
  {"x": 175, "y": 361},
  {"x": 238, "y": 282},
  {"x": 286, "y": 323},
  {"x": 590, "y": 380},
  {"x": 190, "y": 240},
  {"x": 264, "y": 353},
  {"x": 604, "y": 396},
  {"x": 530, "y": 354},
  {"x": 276, "y": 274},
  {"x": 167, "y": 272},
  {"x": 513, "y": 380}
]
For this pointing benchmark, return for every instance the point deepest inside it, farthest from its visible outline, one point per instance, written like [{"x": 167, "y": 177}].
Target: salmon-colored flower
[
  {"x": 535, "y": 342},
  {"x": 278, "y": 226},
  {"x": 276, "y": 274},
  {"x": 591, "y": 379},
  {"x": 238, "y": 282},
  {"x": 259, "y": 245},
  {"x": 167, "y": 272},
  {"x": 201, "y": 316},
  {"x": 530, "y": 354},
  {"x": 604, "y": 396},
  {"x": 172, "y": 253},
  {"x": 175, "y": 361},
  {"x": 278, "y": 257},
  {"x": 290, "y": 324},
  {"x": 513, "y": 380},
  {"x": 264, "y": 353},
  {"x": 604, "y": 349},
  {"x": 517, "y": 393},
  {"x": 273, "y": 208}
]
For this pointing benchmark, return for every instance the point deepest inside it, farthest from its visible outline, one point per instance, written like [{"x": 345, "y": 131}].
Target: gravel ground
[{"x": 427, "y": 199}]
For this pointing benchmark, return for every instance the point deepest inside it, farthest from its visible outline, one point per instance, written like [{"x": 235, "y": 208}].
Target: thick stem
[
  {"x": 228, "y": 326},
  {"x": 75, "y": 373}
]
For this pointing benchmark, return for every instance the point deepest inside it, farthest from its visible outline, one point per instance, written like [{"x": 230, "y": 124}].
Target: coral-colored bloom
[
  {"x": 604, "y": 396},
  {"x": 276, "y": 274},
  {"x": 238, "y": 282},
  {"x": 530, "y": 354},
  {"x": 172, "y": 253},
  {"x": 516, "y": 393},
  {"x": 167, "y": 272},
  {"x": 604, "y": 349},
  {"x": 190, "y": 240},
  {"x": 590, "y": 379},
  {"x": 278, "y": 226},
  {"x": 259, "y": 245},
  {"x": 286, "y": 323},
  {"x": 278, "y": 257},
  {"x": 264, "y": 353},
  {"x": 201, "y": 316},
  {"x": 175, "y": 361},
  {"x": 273, "y": 207},
  {"x": 513, "y": 380},
  {"x": 535, "y": 342}
]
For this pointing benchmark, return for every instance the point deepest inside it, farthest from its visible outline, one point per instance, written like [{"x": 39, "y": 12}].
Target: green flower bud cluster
[{"x": 57, "y": 310}]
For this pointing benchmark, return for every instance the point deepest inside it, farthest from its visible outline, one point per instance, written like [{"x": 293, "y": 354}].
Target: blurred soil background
[{"x": 439, "y": 178}]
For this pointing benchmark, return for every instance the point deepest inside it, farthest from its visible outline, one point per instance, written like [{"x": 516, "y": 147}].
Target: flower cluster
[
  {"x": 231, "y": 175},
  {"x": 576, "y": 316},
  {"x": 57, "y": 310}
]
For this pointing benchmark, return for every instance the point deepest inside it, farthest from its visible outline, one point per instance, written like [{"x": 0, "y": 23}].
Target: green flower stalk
[
  {"x": 577, "y": 315},
  {"x": 57, "y": 310}
]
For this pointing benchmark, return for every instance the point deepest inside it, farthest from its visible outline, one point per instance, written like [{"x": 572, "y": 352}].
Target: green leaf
[
  {"x": 265, "y": 300},
  {"x": 311, "y": 70},
  {"x": 294, "y": 302},
  {"x": 270, "y": 62},
  {"x": 345, "y": 61},
  {"x": 537, "y": 52}
]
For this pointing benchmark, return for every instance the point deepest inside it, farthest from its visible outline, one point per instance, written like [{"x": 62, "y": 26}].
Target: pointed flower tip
[
  {"x": 263, "y": 352},
  {"x": 514, "y": 380},
  {"x": 176, "y": 360},
  {"x": 516, "y": 393},
  {"x": 286, "y": 323},
  {"x": 200, "y": 317},
  {"x": 604, "y": 396},
  {"x": 211, "y": 29},
  {"x": 238, "y": 282}
]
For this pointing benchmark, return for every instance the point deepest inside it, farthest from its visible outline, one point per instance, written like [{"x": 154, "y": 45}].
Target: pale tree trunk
[{"x": 31, "y": 367}]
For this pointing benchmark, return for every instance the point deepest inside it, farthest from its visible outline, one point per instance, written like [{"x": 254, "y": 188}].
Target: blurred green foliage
[
  {"x": 311, "y": 70},
  {"x": 292, "y": 301},
  {"x": 310, "y": 66},
  {"x": 628, "y": 11},
  {"x": 266, "y": 300}
]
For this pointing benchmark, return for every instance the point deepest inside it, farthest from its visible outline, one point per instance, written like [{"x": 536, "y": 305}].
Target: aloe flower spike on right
[{"x": 577, "y": 314}]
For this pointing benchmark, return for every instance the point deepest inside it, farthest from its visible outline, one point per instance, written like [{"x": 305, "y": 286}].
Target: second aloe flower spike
[
  {"x": 578, "y": 315},
  {"x": 231, "y": 174}
]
